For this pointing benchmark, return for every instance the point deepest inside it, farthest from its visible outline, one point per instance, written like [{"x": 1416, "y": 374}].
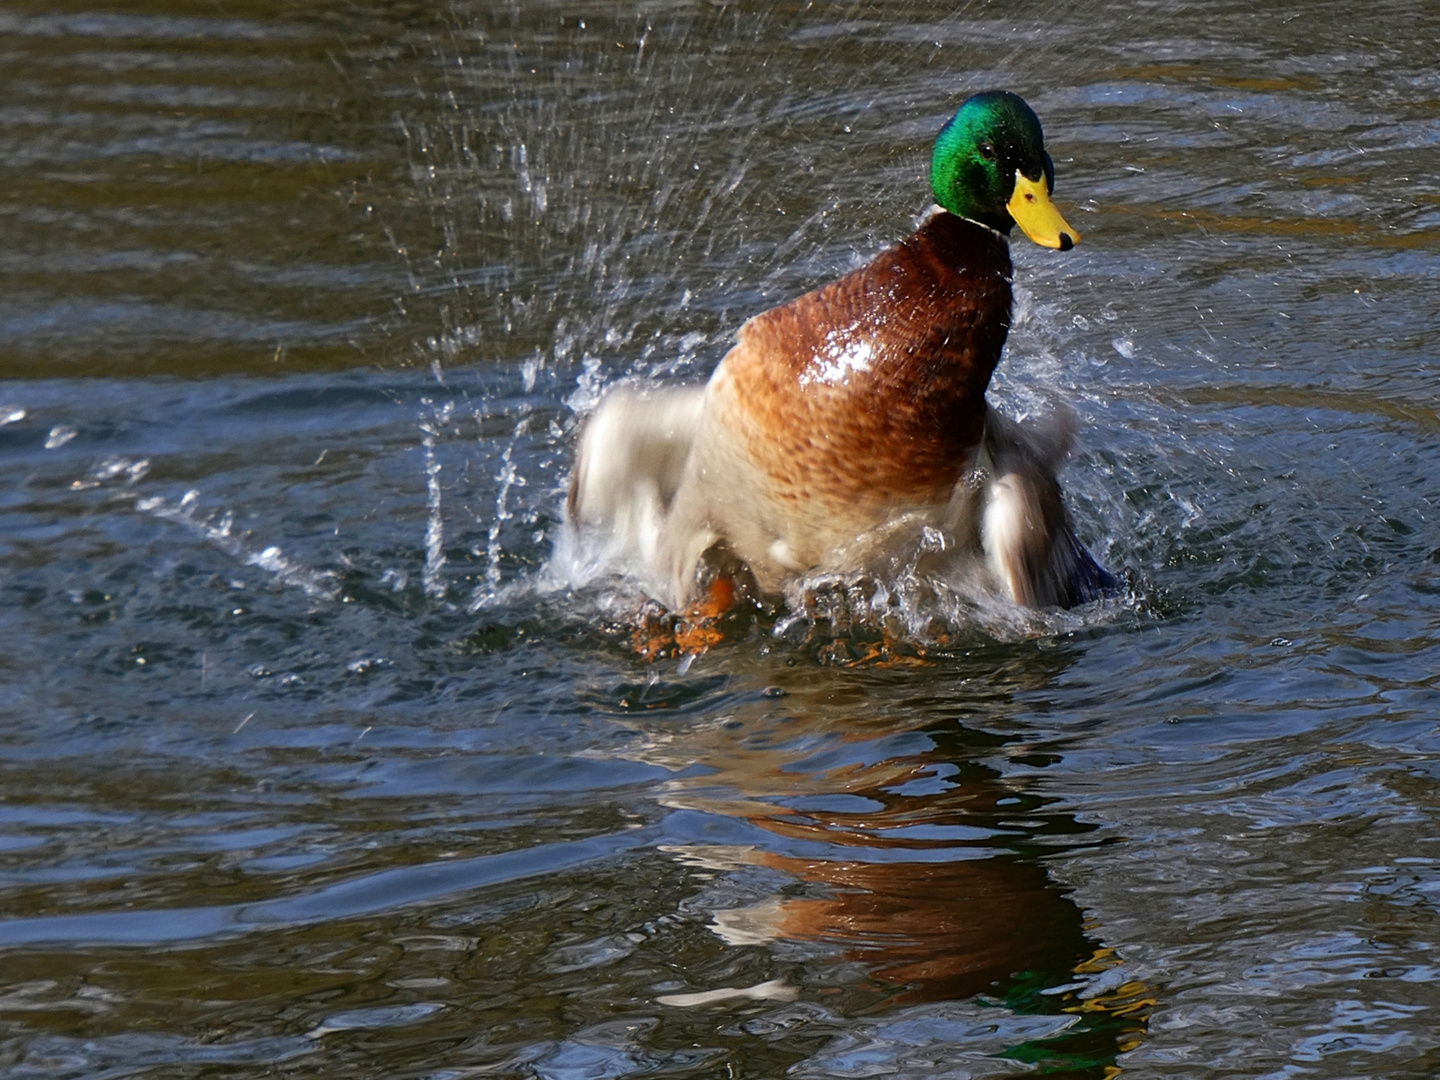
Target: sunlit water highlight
[{"x": 326, "y": 751}]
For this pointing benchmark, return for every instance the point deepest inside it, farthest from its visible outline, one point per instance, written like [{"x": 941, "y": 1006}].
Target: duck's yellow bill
[{"x": 1036, "y": 215}]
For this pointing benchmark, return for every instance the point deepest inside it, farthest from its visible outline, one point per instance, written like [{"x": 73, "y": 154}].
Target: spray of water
[
  {"x": 598, "y": 212},
  {"x": 216, "y": 526},
  {"x": 430, "y": 428}
]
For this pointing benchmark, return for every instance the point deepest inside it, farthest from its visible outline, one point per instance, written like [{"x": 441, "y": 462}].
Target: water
[{"x": 323, "y": 756}]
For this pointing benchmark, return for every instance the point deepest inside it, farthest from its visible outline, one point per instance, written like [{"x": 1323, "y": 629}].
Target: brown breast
[{"x": 869, "y": 393}]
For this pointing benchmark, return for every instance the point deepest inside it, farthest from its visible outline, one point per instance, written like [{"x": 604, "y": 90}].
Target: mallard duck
[{"x": 856, "y": 414}]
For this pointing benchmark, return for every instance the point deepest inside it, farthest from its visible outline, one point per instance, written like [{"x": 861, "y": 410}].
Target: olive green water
[{"x": 323, "y": 754}]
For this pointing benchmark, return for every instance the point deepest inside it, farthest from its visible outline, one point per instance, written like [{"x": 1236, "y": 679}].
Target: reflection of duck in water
[
  {"x": 918, "y": 887},
  {"x": 900, "y": 853},
  {"x": 845, "y": 421}
]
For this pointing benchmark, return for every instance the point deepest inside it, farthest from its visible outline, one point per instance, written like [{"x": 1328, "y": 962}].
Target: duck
[{"x": 853, "y": 418}]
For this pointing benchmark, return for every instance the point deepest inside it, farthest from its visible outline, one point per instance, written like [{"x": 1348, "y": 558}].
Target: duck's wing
[
  {"x": 630, "y": 463},
  {"x": 1025, "y": 529}
]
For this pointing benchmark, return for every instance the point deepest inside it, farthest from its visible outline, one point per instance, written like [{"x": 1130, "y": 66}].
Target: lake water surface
[{"x": 324, "y": 752}]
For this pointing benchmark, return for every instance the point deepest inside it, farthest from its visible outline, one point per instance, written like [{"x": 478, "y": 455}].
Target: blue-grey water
[{"x": 323, "y": 753}]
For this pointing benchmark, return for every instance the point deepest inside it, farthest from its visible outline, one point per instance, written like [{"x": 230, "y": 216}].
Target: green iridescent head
[{"x": 989, "y": 165}]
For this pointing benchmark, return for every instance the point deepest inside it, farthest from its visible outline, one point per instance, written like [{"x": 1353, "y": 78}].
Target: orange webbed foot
[{"x": 661, "y": 633}]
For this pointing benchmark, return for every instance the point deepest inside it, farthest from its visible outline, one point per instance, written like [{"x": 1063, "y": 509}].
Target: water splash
[
  {"x": 430, "y": 426},
  {"x": 112, "y": 468},
  {"x": 508, "y": 477},
  {"x": 591, "y": 253},
  {"x": 218, "y": 528}
]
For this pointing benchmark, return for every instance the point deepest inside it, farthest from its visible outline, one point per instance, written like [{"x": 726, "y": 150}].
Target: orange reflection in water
[{"x": 917, "y": 876}]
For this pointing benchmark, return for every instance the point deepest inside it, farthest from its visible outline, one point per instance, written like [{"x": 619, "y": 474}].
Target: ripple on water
[{"x": 324, "y": 752}]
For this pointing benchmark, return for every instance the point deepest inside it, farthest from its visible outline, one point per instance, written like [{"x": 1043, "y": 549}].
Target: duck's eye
[{"x": 987, "y": 151}]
